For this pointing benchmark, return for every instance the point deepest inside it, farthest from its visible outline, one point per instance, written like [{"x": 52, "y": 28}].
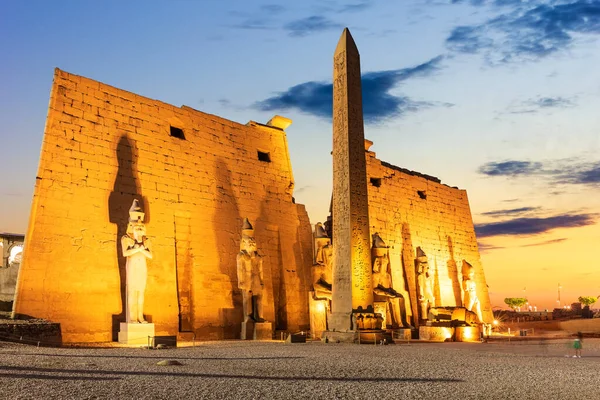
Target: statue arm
[
  {"x": 146, "y": 249},
  {"x": 380, "y": 290},
  {"x": 260, "y": 270},
  {"x": 240, "y": 271},
  {"x": 127, "y": 246},
  {"x": 420, "y": 288}
]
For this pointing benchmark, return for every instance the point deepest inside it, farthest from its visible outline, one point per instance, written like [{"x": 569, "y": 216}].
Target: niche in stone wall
[
  {"x": 177, "y": 132},
  {"x": 375, "y": 182},
  {"x": 264, "y": 156}
]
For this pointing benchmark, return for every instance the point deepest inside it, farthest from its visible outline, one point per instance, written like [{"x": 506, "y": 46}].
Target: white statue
[
  {"x": 471, "y": 300},
  {"x": 425, "y": 284},
  {"x": 250, "y": 275},
  {"x": 136, "y": 248}
]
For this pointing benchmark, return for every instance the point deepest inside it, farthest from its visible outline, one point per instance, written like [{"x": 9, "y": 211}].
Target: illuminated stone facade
[
  {"x": 411, "y": 210},
  {"x": 197, "y": 176}
]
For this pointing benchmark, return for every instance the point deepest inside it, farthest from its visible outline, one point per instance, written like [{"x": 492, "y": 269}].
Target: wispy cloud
[
  {"x": 302, "y": 189},
  {"x": 334, "y": 7},
  {"x": 497, "y": 3},
  {"x": 316, "y": 98},
  {"x": 534, "y": 226},
  {"x": 569, "y": 172},
  {"x": 526, "y": 29},
  {"x": 545, "y": 242},
  {"x": 273, "y": 9},
  {"x": 356, "y": 7},
  {"x": 541, "y": 103},
  {"x": 585, "y": 174},
  {"x": 310, "y": 25},
  {"x": 483, "y": 247},
  {"x": 552, "y": 102},
  {"x": 262, "y": 18},
  {"x": 510, "y": 168},
  {"x": 254, "y": 24},
  {"x": 511, "y": 212}
]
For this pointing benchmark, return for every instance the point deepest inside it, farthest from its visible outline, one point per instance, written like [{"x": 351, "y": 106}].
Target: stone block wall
[
  {"x": 197, "y": 176},
  {"x": 411, "y": 210}
]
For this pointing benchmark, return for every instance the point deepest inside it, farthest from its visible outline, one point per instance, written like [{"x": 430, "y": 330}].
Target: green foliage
[
  {"x": 514, "y": 302},
  {"x": 587, "y": 300}
]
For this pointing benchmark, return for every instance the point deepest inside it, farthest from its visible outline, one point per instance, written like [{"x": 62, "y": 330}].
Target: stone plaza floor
[{"x": 533, "y": 369}]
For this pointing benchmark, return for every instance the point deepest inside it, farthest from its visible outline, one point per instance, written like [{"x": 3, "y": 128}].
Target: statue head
[
  {"x": 422, "y": 262},
  {"x": 320, "y": 232},
  {"x": 136, "y": 226},
  {"x": 381, "y": 255},
  {"x": 468, "y": 270},
  {"x": 248, "y": 242},
  {"x": 322, "y": 244},
  {"x": 321, "y": 238}
]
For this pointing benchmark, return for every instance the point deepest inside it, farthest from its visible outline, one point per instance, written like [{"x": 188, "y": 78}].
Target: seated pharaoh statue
[
  {"x": 250, "y": 275},
  {"x": 323, "y": 268},
  {"x": 397, "y": 302}
]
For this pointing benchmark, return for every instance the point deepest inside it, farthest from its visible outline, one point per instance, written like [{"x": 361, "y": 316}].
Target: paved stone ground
[{"x": 274, "y": 370}]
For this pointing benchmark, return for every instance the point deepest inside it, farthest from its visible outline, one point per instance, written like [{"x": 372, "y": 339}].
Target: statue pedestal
[
  {"x": 374, "y": 336},
  {"x": 468, "y": 333},
  {"x": 256, "y": 331},
  {"x": 436, "y": 333},
  {"x": 318, "y": 315},
  {"x": 381, "y": 309},
  {"x": 363, "y": 336},
  {"x": 339, "y": 337},
  {"x": 135, "y": 333},
  {"x": 401, "y": 333}
]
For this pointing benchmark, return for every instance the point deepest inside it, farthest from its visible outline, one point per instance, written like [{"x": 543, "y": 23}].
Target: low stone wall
[
  {"x": 41, "y": 333},
  {"x": 569, "y": 326}
]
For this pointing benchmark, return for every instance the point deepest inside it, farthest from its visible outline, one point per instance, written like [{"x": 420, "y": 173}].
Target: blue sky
[{"x": 499, "y": 97}]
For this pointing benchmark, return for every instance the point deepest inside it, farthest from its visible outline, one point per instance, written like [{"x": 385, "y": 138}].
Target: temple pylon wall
[{"x": 197, "y": 176}]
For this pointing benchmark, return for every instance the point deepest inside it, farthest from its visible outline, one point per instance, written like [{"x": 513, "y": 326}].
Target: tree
[
  {"x": 587, "y": 300},
  {"x": 515, "y": 302}
]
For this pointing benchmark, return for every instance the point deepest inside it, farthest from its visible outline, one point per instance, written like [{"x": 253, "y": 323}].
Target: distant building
[{"x": 11, "y": 248}]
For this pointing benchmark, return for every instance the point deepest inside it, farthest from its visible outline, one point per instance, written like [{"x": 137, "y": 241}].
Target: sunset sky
[{"x": 498, "y": 97}]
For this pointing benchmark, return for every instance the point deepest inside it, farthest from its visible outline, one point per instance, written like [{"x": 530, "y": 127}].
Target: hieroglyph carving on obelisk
[{"x": 352, "y": 285}]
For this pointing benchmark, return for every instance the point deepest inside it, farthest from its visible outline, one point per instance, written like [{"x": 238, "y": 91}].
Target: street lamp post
[{"x": 558, "y": 300}]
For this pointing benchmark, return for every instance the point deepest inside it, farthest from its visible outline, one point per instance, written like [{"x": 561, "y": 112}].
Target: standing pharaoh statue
[
  {"x": 471, "y": 301},
  {"x": 426, "y": 297},
  {"x": 250, "y": 275},
  {"x": 323, "y": 268},
  {"x": 136, "y": 249}
]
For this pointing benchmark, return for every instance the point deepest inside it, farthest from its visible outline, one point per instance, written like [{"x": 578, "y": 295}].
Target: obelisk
[{"x": 352, "y": 285}]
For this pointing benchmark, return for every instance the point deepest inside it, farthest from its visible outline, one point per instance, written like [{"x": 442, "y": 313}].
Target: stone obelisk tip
[{"x": 346, "y": 42}]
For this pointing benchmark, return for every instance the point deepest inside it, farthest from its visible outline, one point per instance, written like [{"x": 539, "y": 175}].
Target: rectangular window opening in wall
[
  {"x": 422, "y": 194},
  {"x": 263, "y": 156},
  {"x": 177, "y": 132},
  {"x": 375, "y": 182}
]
